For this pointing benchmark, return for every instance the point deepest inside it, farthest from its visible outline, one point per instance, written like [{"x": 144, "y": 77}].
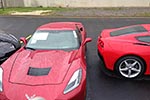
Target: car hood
[{"x": 40, "y": 67}]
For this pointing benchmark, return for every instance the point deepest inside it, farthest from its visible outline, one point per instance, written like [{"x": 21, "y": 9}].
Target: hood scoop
[{"x": 38, "y": 71}]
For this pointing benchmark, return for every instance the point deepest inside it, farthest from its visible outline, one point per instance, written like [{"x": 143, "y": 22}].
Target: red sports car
[
  {"x": 51, "y": 66},
  {"x": 126, "y": 51}
]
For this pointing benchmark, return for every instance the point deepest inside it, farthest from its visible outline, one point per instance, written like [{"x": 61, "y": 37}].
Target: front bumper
[
  {"x": 78, "y": 96},
  {"x": 48, "y": 92},
  {"x": 3, "y": 97}
]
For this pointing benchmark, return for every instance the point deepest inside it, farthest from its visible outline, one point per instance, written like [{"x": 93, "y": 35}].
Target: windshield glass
[{"x": 54, "y": 39}]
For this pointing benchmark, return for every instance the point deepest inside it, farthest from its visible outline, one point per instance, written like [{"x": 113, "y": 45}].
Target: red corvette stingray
[
  {"x": 126, "y": 50},
  {"x": 51, "y": 66}
]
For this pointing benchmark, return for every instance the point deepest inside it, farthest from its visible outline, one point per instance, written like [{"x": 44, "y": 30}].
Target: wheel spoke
[
  {"x": 129, "y": 73},
  {"x": 124, "y": 69},
  {"x": 126, "y": 63},
  {"x": 134, "y": 63},
  {"x": 136, "y": 70}
]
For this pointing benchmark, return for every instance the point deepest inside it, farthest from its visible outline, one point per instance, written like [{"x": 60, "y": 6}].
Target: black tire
[{"x": 130, "y": 67}]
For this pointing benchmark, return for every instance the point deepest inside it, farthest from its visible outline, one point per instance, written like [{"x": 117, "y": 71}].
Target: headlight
[
  {"x": 1, "y": 75},
  {"x": 74, "y": 81}
]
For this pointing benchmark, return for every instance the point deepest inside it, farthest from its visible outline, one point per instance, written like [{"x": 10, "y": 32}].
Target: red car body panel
[
  {"x": 33, "y": 59},
  {"x": 17, "y": 84},
  {"x": 16, "y": 91},
  {"x": 112, "y": 48}
]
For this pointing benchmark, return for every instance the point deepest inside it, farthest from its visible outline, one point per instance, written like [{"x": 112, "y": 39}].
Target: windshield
[{"x": 54, "y": 39}]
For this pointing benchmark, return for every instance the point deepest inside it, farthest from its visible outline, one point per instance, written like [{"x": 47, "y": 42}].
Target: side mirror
[
  {"x": 24, "y": 40},
  {"x": 81, "y": 29},
  {"x": 87, "y": 40}
]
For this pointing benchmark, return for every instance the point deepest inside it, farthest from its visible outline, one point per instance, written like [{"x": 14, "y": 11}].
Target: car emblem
[{"x": 34, "y": 97}]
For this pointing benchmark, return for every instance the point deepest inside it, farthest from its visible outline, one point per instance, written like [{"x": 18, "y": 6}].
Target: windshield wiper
[{"x": 30, "y": 48}]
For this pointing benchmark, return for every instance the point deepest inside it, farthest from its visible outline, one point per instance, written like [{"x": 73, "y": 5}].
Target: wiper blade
[{"x": 30, "y": 48}]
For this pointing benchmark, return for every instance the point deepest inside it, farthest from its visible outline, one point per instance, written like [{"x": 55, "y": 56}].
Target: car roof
[{"x": 59, "y": 26}]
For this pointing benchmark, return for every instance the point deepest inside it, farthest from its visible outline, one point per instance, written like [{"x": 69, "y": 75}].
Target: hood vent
[{"x": 38, "y": 71}]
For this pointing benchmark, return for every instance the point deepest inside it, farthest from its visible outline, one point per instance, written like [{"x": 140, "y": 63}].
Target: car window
[
  {"x": 54, "y": 39},
  {"x": 143, "y": 38},
  {"x": 130, "y": 30}
]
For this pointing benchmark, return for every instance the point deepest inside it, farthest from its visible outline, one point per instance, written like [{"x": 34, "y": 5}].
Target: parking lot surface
[{"x": 99, "y": 85}]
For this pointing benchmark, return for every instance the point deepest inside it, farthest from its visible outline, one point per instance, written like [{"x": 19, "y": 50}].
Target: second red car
[{"x": 126, "y": 50}]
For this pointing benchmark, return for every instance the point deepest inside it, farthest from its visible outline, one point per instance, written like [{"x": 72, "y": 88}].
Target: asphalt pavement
[{"x": 100, "y": 86}]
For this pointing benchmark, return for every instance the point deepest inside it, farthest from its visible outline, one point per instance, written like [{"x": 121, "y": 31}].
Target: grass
[
  {"x": 146, "y": 14},
  {"x": 113, "y": 8},
  {"x": 8, "y": 11},
  {"x": 56, "y": 10}
]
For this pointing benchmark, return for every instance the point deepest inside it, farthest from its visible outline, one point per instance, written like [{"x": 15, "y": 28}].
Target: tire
[{"x": 130, "y": 67}]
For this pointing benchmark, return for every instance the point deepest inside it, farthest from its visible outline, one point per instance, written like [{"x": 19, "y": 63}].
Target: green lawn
[{"x": 8, "y": 11}]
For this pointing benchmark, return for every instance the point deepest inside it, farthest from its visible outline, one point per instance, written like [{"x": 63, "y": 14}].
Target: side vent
[{"x": 144, "y": 44}]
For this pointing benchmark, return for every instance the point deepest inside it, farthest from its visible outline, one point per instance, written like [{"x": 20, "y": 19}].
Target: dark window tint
[
  {"x": 143, "y": 38},
  {"x": 79, "y": 35},
  {"x": 130, "y": 30}
]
